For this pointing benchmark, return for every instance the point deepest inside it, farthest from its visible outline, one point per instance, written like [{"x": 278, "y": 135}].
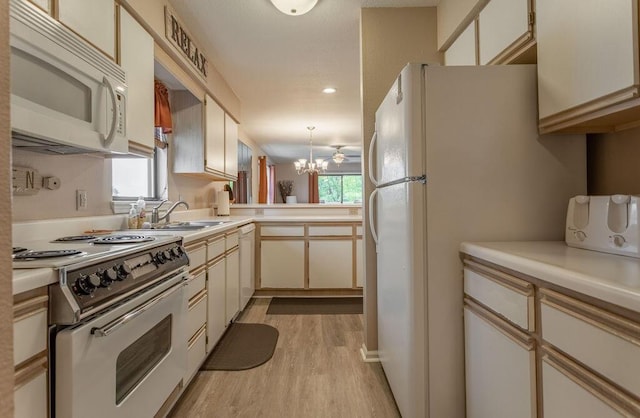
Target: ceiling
[{"x": 278, "y": 65}]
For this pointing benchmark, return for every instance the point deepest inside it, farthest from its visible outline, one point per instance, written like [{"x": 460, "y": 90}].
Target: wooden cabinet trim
[
  {"x": 195, "y": 336},
  {"x": 199, "y": 270},
  {"x": 29, "y": 307},
  {"x": 512, "y": 283},
  {"x": 30, "y": 369},
  {"x": 582, "y": 118},
  {"x": 195, "y": 245},
  {"x": 199, "y": 297},
  {"x": 613, "y": 324},
  {"x": 603, "y": 390},
  {"x": 219, "y": 259},
  {"x": 521, "y": 338}
]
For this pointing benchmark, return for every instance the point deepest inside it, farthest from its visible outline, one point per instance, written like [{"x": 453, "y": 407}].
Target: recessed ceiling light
[{"x": 329, "y": 90}]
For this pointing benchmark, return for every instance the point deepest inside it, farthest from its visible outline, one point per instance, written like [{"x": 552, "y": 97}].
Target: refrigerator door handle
[
  {"x": 371, "y": 148},
  {"x": 372, "y": 226},
  {"x": 413, "y": 179}
]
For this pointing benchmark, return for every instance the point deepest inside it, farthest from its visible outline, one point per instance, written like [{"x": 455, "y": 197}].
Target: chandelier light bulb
[{"x": 319, "y": 166}]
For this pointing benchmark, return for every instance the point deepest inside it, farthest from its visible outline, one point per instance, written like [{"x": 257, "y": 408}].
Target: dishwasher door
[{"x": 247, "y": 264}]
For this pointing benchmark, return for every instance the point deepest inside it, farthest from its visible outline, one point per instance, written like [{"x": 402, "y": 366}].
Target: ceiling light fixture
[
  {"x": 338, "y": 156},
  {"x": 294, "y": 7},
  {"x": 303, "y": 166},
  {"x": 329, "y": 90}
]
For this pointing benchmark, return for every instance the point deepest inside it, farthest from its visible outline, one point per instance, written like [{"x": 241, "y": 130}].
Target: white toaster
[{"x": 604, "y": 223}]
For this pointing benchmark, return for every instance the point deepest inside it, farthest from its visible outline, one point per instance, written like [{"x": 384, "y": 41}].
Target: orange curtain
[
  {"x": 162, "y": 110},
  {"x": 262, "y": 188},
  {"x": 314, "y": 195}
]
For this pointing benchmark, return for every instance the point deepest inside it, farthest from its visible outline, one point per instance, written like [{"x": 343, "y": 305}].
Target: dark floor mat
[
  {"x": 315, "y": 306},
  {"x": 243, "y": 346}
]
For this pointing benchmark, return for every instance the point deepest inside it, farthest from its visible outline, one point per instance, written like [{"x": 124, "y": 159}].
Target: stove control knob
[
  {"x": 123, "y": 271},
  {"x": 176, "y": 251},
  {"x": 168, "y": 255},
  {"x": 108, "y": 277},
  {"x": 160, "y": 259},
  {"x": 86, "y": 285}
]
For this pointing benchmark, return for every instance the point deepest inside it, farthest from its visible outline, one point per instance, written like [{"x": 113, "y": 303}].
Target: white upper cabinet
[
  {"x": 43, "y": 4},
  {"x": 230, "y": 147},
  {"x": 214, "y": 132},
  {"x": 136, "y": 58},
  {"x": 588, "y": 68},
  {"x": 94, "y": 20},
  {"x": 505, "y": 31},
  {"x": 463, "y": 50}
]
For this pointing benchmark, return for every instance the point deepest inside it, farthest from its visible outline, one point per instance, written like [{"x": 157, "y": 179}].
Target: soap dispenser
[{"x": 133, "y": 217}]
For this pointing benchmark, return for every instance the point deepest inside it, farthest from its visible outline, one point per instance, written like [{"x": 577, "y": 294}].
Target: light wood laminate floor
[{"x": 315, "y": 372}]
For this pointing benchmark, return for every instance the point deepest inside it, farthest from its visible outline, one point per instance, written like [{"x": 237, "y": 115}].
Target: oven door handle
[{"x": 124, "y": 319}]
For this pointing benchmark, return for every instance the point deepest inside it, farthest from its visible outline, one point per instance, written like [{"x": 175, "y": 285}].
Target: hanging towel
[{"x": 162, "y": 110}]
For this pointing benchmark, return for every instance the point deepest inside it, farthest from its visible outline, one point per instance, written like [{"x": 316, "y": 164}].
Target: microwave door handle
[
  {"x": 108, "y": 139},
  {"x": 372, "y": 225},
  {"x": 371, "y": 149}
]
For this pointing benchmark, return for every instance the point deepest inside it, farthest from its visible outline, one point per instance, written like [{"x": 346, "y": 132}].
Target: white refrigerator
[{"x": 456, "y": 157}]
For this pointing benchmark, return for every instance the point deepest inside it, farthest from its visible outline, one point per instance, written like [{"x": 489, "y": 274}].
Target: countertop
[
  {"x": 28, "y": 279},
  {"x": 608, "y": 277}
]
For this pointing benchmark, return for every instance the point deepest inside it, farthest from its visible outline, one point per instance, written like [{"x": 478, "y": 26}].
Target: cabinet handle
[
  {"x": 108, "y": 139},
  {"x": 521, "y": 338}
]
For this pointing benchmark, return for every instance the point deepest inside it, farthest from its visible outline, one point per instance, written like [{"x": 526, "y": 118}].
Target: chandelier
[
  {"x": 338, "y": 157},
  {"x": 303, "y": 166},
  {"x": 294, "y": 7}
]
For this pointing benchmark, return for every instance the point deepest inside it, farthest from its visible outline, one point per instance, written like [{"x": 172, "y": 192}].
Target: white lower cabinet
[
  {"x": 232, "y": 288},
  {"x": 567, "y": 395},
  {"x": 330, "y": 264},
  {"x": 30, "y": 399},
  {"x": 282, "y": 264},
  {"x": 500, "y": 368},
  {"x": 216, "y": 312},
  {"x": 196, "y": 352}
]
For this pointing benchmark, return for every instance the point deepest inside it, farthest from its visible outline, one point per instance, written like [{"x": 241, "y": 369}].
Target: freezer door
[
  {"x": 399, "y": 128},
  {"x": 401, "y": 281}
]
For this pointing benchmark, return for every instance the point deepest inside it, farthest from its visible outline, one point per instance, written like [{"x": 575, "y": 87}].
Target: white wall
[{"x": 453, "y": 17}]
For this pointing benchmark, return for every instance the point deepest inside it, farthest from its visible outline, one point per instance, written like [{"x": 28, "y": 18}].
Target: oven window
[{"x": 137, "y": 360}]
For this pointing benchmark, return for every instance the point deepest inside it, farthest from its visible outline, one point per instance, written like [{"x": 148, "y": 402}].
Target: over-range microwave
[{"x": 66, "y": 96}]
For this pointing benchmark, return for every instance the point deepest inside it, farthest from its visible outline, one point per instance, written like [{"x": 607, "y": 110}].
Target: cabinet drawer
[
  {"x": 231, "y": 240},
  {"x": 196, "y": 352},
  {"x": 197, "y": 255},
  {"x": 605, "y": 342},
  {"x": 29, "y": 335},
  {"x": 197, "y": 315},
  {"x": 359, "y": 230},
  {"x": 506, "y": 295},
  {"x": 30, "y": 399},
  {"x": 215, "y": 247},
  {"x": 571, "y": 391},
  {"x": 282, "y": 231},
  {"x": 321, "y": 231},
  {"x": 197, "y": 283}
]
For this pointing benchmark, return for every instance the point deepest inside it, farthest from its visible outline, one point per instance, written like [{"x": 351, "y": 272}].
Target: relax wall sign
[{"x": 178, "y": 36}]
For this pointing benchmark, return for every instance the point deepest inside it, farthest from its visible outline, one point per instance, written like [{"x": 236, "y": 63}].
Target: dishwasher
[{"x": 247, "y": 264}]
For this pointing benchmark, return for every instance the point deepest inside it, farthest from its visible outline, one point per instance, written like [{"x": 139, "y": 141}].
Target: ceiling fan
[{"x": 339, "y": 156}]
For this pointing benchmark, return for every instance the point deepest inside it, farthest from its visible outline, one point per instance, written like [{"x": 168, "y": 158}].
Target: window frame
[{"x": 342, "y": 176}]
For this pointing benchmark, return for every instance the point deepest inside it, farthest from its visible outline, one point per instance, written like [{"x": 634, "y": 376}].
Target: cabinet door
[
  {"x": 565, "y": 396},
  {"x": 136, "y": 58},
  {"x": 587, "y": 49},
  {"x": 502, "y": 24},
  {"x": 214, "y": 132},
  {"x": 43, "y": 4},
  {"x": 499, "y": 370},
  {"x": 282, "y": 264},
  {"x": 331, "y": 264},
  {"x": 30, "y": 399},
  {"x": 463, "y": 50},
  {"x": 233, "y": 284},
  {"x": 216, "y": 312},
  {"x": 94, "y": 20},
  {"x": 230, "y": 146}
]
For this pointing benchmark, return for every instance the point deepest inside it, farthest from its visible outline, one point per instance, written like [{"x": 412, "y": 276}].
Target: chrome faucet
[{"x": 154, "y": 211}]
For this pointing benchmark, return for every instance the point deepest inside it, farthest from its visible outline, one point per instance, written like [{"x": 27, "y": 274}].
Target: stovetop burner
[
  {"x": 73, "y": 238},
  {"x": 32, "y": 255},
  {"x": 123, "y": 239}
]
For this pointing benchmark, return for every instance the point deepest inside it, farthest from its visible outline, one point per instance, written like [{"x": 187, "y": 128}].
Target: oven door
[{"x": 126, "y": 362}]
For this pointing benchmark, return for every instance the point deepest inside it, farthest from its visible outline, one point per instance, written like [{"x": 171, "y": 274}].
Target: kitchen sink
[{"x": 188, "y": 226}]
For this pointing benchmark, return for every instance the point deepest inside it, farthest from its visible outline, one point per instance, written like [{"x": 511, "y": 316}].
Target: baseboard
[{"x": 369, "y": 356}]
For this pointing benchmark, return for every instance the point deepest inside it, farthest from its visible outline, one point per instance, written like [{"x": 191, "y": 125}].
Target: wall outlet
[{"x": 81, "y": 200}]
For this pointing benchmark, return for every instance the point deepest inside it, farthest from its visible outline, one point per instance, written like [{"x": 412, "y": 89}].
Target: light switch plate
[{"x": 81, "y": 200}]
